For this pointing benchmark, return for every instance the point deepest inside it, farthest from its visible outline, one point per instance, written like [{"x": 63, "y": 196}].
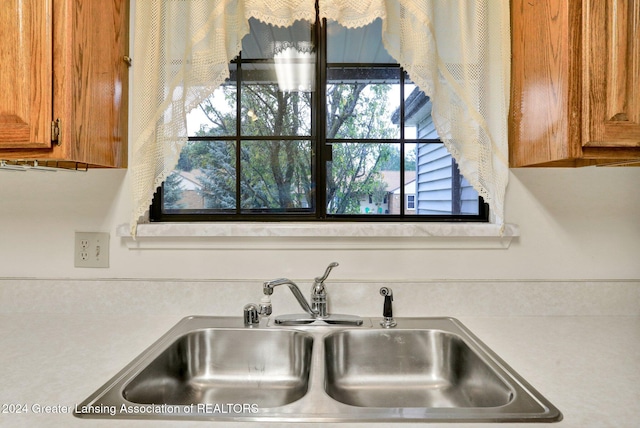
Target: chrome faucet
[
  {"x": 316, "y": 311},
  {"x": 319, "y": 293},
  {"x": 268, "y": 286}
]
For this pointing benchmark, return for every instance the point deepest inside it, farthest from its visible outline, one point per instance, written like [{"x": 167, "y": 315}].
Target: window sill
[{"x": 314, "y": 236}]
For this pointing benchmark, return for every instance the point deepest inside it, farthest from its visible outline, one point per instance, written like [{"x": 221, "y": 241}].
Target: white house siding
[
  {"x": 435, "y": 174},
  {"x": 425, "y": 126},
  {"x": 433, "y": 179},
  {"x": 469, "y": 198}
]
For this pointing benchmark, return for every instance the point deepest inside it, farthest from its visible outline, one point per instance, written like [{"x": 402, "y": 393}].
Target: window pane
[
  {"x": 359, "y": 173},
  {"x": 216, "y": 116},
  {"x": 276, "y": 176},
  {"x": 385, "y": 159},
  {"x": 469, "y": 199},
  {"x": 440, "y": 189},
  {"x": 409, "y": 179},
  {"x": 411, "y": 202},
  {"x": 356, "y": 45},
  {"x": 361, "y": 102},
  {"x": 204, "y": 179},
  {"x": 268, "y": 111}
]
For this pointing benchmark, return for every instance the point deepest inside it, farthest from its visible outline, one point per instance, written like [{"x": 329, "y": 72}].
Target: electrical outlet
[{"x": 91, "y": 250}]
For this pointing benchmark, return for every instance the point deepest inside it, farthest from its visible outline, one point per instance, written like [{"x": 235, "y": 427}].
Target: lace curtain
[{"x": 457, "y": 52}]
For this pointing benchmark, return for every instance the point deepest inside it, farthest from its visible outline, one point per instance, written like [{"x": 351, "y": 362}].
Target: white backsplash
[{"x": 411, "y": 299}]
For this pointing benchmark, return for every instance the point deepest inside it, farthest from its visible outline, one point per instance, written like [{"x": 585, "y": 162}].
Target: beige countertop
[{"x": 589, "y": 367}]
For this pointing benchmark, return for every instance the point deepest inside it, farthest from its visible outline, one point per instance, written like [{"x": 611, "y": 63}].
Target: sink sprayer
[{"x": 387, "y": 310}]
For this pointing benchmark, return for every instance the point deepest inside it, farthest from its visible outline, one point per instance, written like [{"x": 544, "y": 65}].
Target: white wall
[{"x": 574, "y": 224}]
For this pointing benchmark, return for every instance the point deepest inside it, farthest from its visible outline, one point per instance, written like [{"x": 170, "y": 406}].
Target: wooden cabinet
[
  {"x": 575, "y": 90},
  {"x": 64, "y": 80}
]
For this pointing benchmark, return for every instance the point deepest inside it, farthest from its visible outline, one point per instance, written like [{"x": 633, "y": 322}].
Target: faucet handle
[
  {"x": 321, "y": 279},
  {"x": 252, "y": 311}
]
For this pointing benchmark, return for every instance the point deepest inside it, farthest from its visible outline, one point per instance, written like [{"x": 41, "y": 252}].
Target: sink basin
[
  {"x": 409, "y": 368},
  {"x": 268, "y": 368},
  {"x": 214, "y": 368}
]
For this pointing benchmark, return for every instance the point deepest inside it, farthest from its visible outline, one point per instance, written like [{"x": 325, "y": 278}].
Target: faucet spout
[
  {"x": 268, "y": 286},
  {"x": 316, "y": 307}
]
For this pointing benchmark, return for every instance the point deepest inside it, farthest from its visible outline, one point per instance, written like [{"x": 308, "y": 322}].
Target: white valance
[{"x": 457, "y": 52}]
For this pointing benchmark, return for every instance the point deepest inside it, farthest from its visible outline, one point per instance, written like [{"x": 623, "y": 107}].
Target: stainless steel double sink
[{"x": 424, "y": 369}]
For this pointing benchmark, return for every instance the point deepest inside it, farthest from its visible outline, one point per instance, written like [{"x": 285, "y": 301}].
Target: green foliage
[
  {"x": 276, "y": 174},
  {"x": 354, "y": 174},
  {"x": 216, "y": 160},
  {"x": 172, "y": 192},
  {"x": 393, "y": 162},
  {"x": 266, "y": 111},
  {"x": 356, "y": 110}
]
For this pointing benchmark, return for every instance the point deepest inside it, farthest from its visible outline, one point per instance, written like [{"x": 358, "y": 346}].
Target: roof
[
  {"x": 192, "y": 176},
  {"x": 413, "y": 104},
  {"x": 392, "y": 178}
]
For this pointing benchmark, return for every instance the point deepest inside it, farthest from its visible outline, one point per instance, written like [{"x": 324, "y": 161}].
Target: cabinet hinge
[{"x": 55, "y": 131}]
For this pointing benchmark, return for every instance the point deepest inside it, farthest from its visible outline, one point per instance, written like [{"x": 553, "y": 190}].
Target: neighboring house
[
  {"x": 370, "y": 205},
  {"x": 388, "y": 201},
  {"x": 439, "y": 188},
  {"x": 409, "y": 196},
  {"x": 191, "y": 189}
]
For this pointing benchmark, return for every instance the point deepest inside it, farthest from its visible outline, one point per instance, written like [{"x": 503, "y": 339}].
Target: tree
[
  {"x": 394, "y": 160},
  {"x": 276, "y": 174},
  {"x": 217, "y": 161},
  {"x": 356, "y": 110},
  {"x": 172, "y": 192}
]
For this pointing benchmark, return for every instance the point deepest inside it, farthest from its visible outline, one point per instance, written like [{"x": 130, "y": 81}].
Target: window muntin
[{"x": 257, "y": 152}]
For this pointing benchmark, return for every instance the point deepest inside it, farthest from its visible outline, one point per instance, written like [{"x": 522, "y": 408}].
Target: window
[
  {"x": 411, "y": 202},
  {"x": 316, "y": 122}
]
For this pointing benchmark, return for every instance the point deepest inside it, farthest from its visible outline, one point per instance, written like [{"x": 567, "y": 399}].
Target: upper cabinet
[
  {"x": 575, "y": 90},
  {"x": 64, "y": 81},
  {"x": 26, "y": 80}
]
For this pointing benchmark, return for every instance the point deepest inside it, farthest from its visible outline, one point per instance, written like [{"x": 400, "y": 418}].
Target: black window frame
[{"x": 321, "y": 154}]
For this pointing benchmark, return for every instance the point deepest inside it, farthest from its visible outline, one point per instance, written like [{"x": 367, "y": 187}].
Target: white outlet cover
[{"x": 91, "y": 250}]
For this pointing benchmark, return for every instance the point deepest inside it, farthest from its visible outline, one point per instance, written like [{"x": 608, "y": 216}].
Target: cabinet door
[
  {"x": 611, "y": 86},
  {"x": 544, "y": 125},
  {"x": 25, "y": 73},
  {"x": 90, "y": 84}
]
